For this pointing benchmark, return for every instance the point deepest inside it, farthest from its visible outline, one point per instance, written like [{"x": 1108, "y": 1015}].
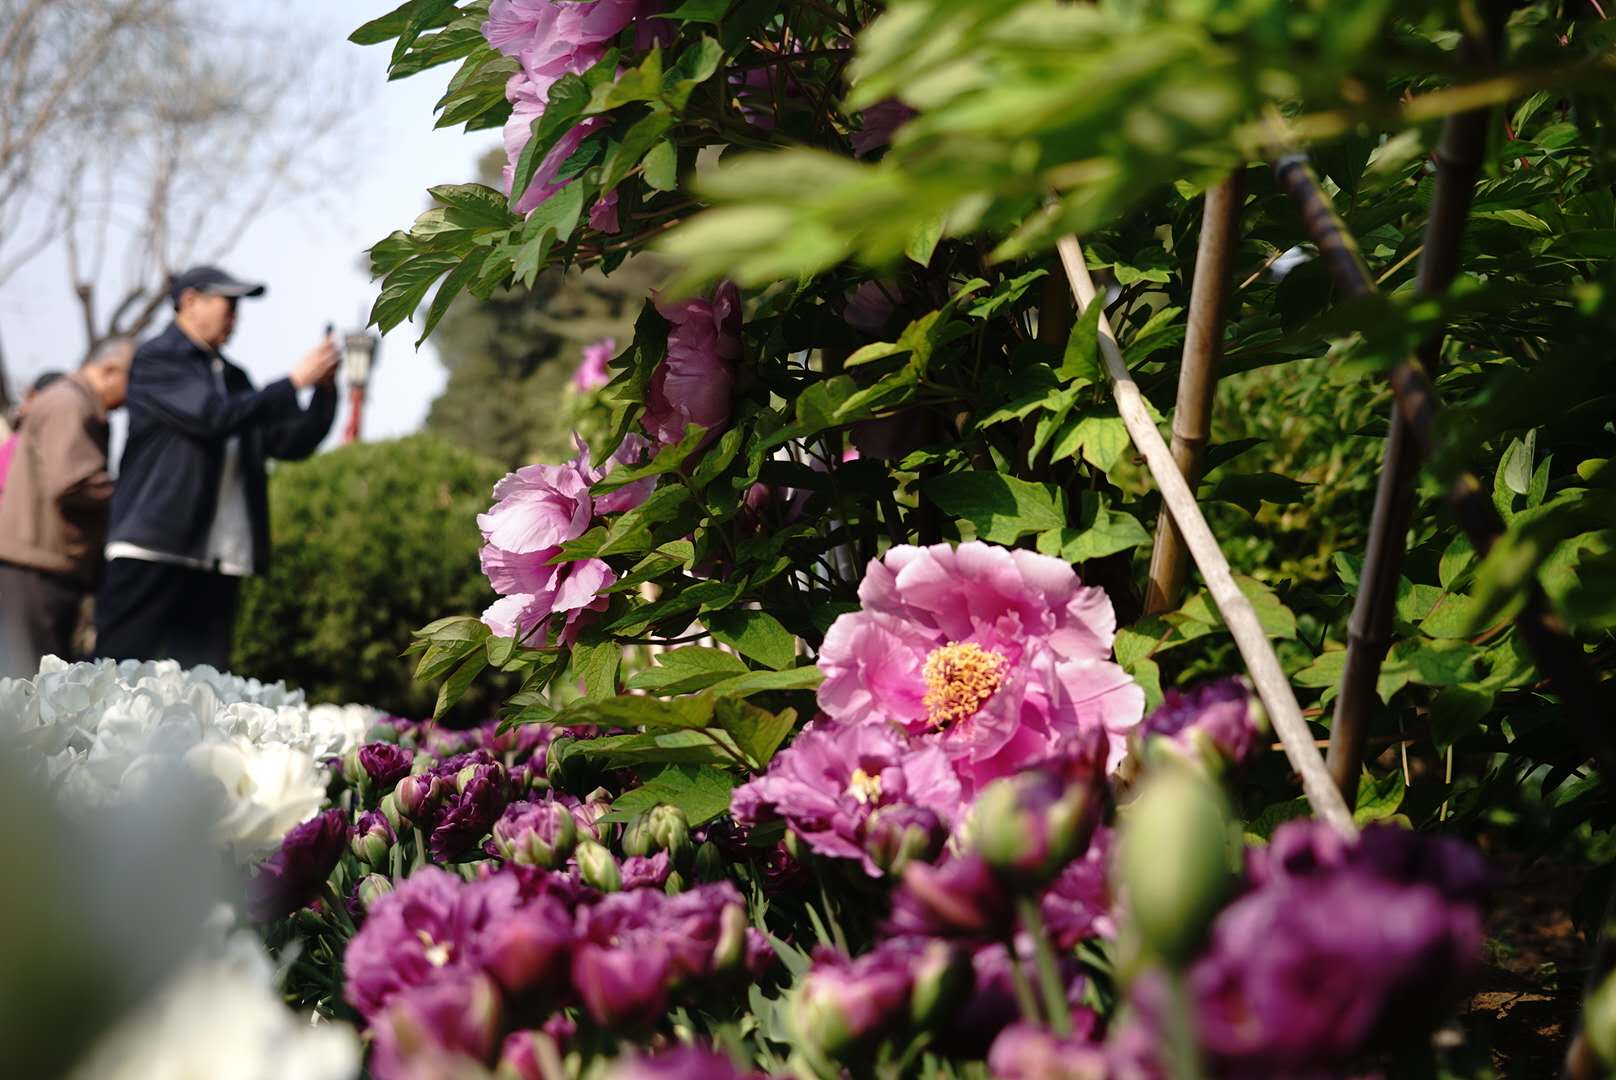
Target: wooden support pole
[
  {"x": 1557, "y": 654},
  {"x": 1261, "y": 661},
  {"x": 1197, "y": 379}
]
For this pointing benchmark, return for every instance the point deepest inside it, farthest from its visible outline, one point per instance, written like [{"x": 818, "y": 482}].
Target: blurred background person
[
  {"x": 53, "y": 508},
  {"x": 191, "y": 515},
  {"x": 10, "y": 424}
]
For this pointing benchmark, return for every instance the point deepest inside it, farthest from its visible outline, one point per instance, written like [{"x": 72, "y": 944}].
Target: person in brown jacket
[{"x": 53, "y": 509}]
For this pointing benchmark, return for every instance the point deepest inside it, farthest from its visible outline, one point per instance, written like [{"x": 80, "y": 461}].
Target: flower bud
[
  {"x": 384, "y": 763},
  {"x": 730, "y": 951},
  {"x": 675, "y": 883},
  {"x": 560, "y": 767},
  {"x": 389, "y": 809},
  {"x": 371, "y": 888},
  {"x": 943, "y": 976},
  {"x": 1174, "y": 862},
  {"x": 843, "y": 1005},
  {"x": 637, "y": 839},
  {"x": 1028, "y": 826},
  {"x": 901, "y": 832},
  {"x": 597, "y": 867},
  {"x": 372, "y": 838},
  {"x": 418, "y": 796},
  {"x": 670, "y": 831},
  {"x": 536, "y": 834},
  {"x": 710, "y": 864},
  {"x": 350, "y": 769}
]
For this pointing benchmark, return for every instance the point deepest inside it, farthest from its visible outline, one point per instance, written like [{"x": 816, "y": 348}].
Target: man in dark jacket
[{"x": 190, "y": 517}]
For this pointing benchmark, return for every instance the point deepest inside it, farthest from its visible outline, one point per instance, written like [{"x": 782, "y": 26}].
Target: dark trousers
[
  {"x": 158, "y": 611},
  {"x": 38, "y": 614}
]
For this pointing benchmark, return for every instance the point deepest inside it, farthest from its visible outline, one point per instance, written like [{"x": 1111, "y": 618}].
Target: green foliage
[{"x": 370, "y": 541}]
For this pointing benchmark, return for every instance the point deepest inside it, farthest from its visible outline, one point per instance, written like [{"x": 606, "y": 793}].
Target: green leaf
[
  {"x": 452, "y": 286},
  {"x": 631, "y": 710},
  {"x": 668, "y": 459},
  {"x": 688, "y": 669},
  {"x": 1081, "y": 362},
  {"x": 755, "y": 634},
  {"x": 757, "y": 682},
  {"x": 703, "y": 794},
  {"x": 1101, "y": 436},
  {"x": 1276, "y": 619},
  {"x": 1378, "y": 797},
  {"x": 1457, "y": 712},
  {"x": 696, "y": 747},
  {"x": 661, "y": 166},
  {"x": 476, "y": 204},
  {"x": 757, "y": 732},
  {"x": 551, "y": 221},
  {"x": 1111, "y": 531},
  {"x": 597, "y": 665},
  {"x": 456, "y": 685},
  {"x": 698, "y": 11},
  {"x": 1002, "y": 508},
  {"x": 632, "y": 532}
]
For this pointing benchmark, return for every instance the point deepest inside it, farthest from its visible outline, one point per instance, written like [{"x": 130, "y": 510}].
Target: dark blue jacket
[{"x": 168, "y": 477}]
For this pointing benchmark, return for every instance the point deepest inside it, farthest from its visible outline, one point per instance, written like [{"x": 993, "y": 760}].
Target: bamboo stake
[
  {"x": 1197, "y": 377},
  {"x": 1556, "y": 653},
  {"x": 1238, "y": 614},
  {"x": 1458, "y": 160}
]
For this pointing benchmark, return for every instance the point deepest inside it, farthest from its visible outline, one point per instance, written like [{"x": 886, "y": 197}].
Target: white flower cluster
[
  {"x": 220, "y": 1018},
  {"x": 109, "y": 732}
]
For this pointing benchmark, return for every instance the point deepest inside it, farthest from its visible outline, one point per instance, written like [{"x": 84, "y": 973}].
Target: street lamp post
[{"x": 359, "y": 355}]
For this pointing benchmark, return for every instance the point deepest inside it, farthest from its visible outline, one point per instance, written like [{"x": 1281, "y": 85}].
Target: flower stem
[
  {"x": 1183, "y": 1054},
  {"x": 1049, "y": 979},
  {"x": 420, "y": 852},
  {"x": 1026, "y": 1000}
]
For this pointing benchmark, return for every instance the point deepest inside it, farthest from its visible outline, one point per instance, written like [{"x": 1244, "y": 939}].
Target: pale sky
[{"x": 308, "y": 253}]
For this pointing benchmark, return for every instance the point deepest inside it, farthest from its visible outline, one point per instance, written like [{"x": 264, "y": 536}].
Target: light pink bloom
[
  {"x": 592, "y": 373},
  {"x": 537, "y": 509},
  {"x": 693, "y": 385},
  {"x": 1002, "y": 657}
]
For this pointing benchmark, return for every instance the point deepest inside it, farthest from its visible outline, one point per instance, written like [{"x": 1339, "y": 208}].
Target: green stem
[
  {"x": 339, "y": 910},
  {"x": 1026, "y": 1000},
  {"x": 1049, "y": 978},
  {"x": 1183, "y": 1052},
  {"x": 420, "y": 851},
  {"x": 836, "y": 935}
]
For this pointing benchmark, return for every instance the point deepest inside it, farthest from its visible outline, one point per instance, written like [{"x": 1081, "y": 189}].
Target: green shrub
[{"x": 370, "y": 542}]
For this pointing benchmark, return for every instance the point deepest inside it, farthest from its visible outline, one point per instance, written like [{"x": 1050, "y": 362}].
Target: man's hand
[{"x": 319, "y": 365}]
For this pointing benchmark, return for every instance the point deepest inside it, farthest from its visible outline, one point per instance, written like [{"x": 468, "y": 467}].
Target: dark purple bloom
[
  {"x": 897, "y": 834},
  {"x": 620, "y": 988},
  {"x": 468, "y": 815},
  {"x": 991, "y": 1005},
  {"x": 1220, "y": 718},
  {"x": 1024, "y": 1051},
  {"x": 372, "y": 837},
  {"x": 881, "y": 120},
  {"x": 540, "y": 833},
  {"x": 833, "y": 777},
  {"x": 294, "y": 875},
  {"x": 644, "y": 872},
  {"x": 429, "y": 1029},
  {"x": 1340, "y": 948},
  {"x": 681, "y": 1063},
  {"x": 429, "y": 927},
  {"x": 960, "y": 897},
  {"x": 1030, "y": 825},
  {"x": 526, "y": 947},
  {"x": 1078, "y": 904},
  {"x": 418, "y": 798},
  {"x": 385, "y": 763},
  {"x": 846, "y": 1005}
]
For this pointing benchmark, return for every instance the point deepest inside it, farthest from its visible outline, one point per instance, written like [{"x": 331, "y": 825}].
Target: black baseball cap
[{"x": 212, "y": 280}]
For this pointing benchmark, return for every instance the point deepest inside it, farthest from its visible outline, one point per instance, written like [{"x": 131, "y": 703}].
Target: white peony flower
[
  {"x": 261, "y": 792},
  {"x": 221, "y": 1019}
]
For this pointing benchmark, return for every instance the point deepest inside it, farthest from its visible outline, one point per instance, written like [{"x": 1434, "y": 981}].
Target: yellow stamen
[
  {"x": 864, "y": 788},
  {"x": 960, "y": 677}
]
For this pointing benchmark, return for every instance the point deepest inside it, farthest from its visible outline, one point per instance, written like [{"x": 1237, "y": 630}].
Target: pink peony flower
[
  {"x": 592, "y": 373},
  {"x": 693, "y": 385},
  {"x": 881, "y": 121},
  {"x": 603, "y": 215},
  {"x": 833, "y": 777},
  {"x": 1000, "y": 657},
  {"x": 536, "y": 510},
  {"x": 550, "y": 38}
]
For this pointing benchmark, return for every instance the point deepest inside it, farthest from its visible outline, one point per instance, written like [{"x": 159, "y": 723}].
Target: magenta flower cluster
[{"x": 438, "y": 960}]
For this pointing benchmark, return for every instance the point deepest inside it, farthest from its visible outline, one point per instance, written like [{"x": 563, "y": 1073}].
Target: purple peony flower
[
  {"x": 870, "y": 307},
  {"x": 834, "y": 777},
  {"x": 644, "y": 871},
  {"x": 418, "y": 798},
  {"x": 1024, "y": 1051},
  {"x": 1078, "y": 904},
  {"x": 900, "y": 833},
  {"x": 469, "y": 815},
  {"x": 844, "y": 1005},
  {"x": 693, "y": 384},
  {"x": 372, "y": 837},
  {"x": 528, "y": 947},
  {"x": 431, "y": 1029},
  {"x": 680, "y": 1063},
  {"x": 1217, "y": 720},
  {"x": 1341, "y": 947},
  {"x": 1030, "y": 825},
  {"x": 294, "y": 875},
  {"x": 592, "y": 374},
  {"x": 429, "y": 927},
  {"x": 959, "y": 897},
  {"x": 881, "y": 121},
  {"x": 618, "y": 988},
  {"x": 536, "y": 833},
  {"x": 385, "y": 763},
  {"x": 1000, "y": 657},
  {"x": 991, "y": 1006}
]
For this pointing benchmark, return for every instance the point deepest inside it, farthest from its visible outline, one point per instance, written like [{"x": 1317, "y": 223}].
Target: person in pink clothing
[{"x": 8, "y": 445}]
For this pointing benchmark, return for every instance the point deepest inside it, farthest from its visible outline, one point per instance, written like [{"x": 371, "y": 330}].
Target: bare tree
[{"x": 190, "y": 127}]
